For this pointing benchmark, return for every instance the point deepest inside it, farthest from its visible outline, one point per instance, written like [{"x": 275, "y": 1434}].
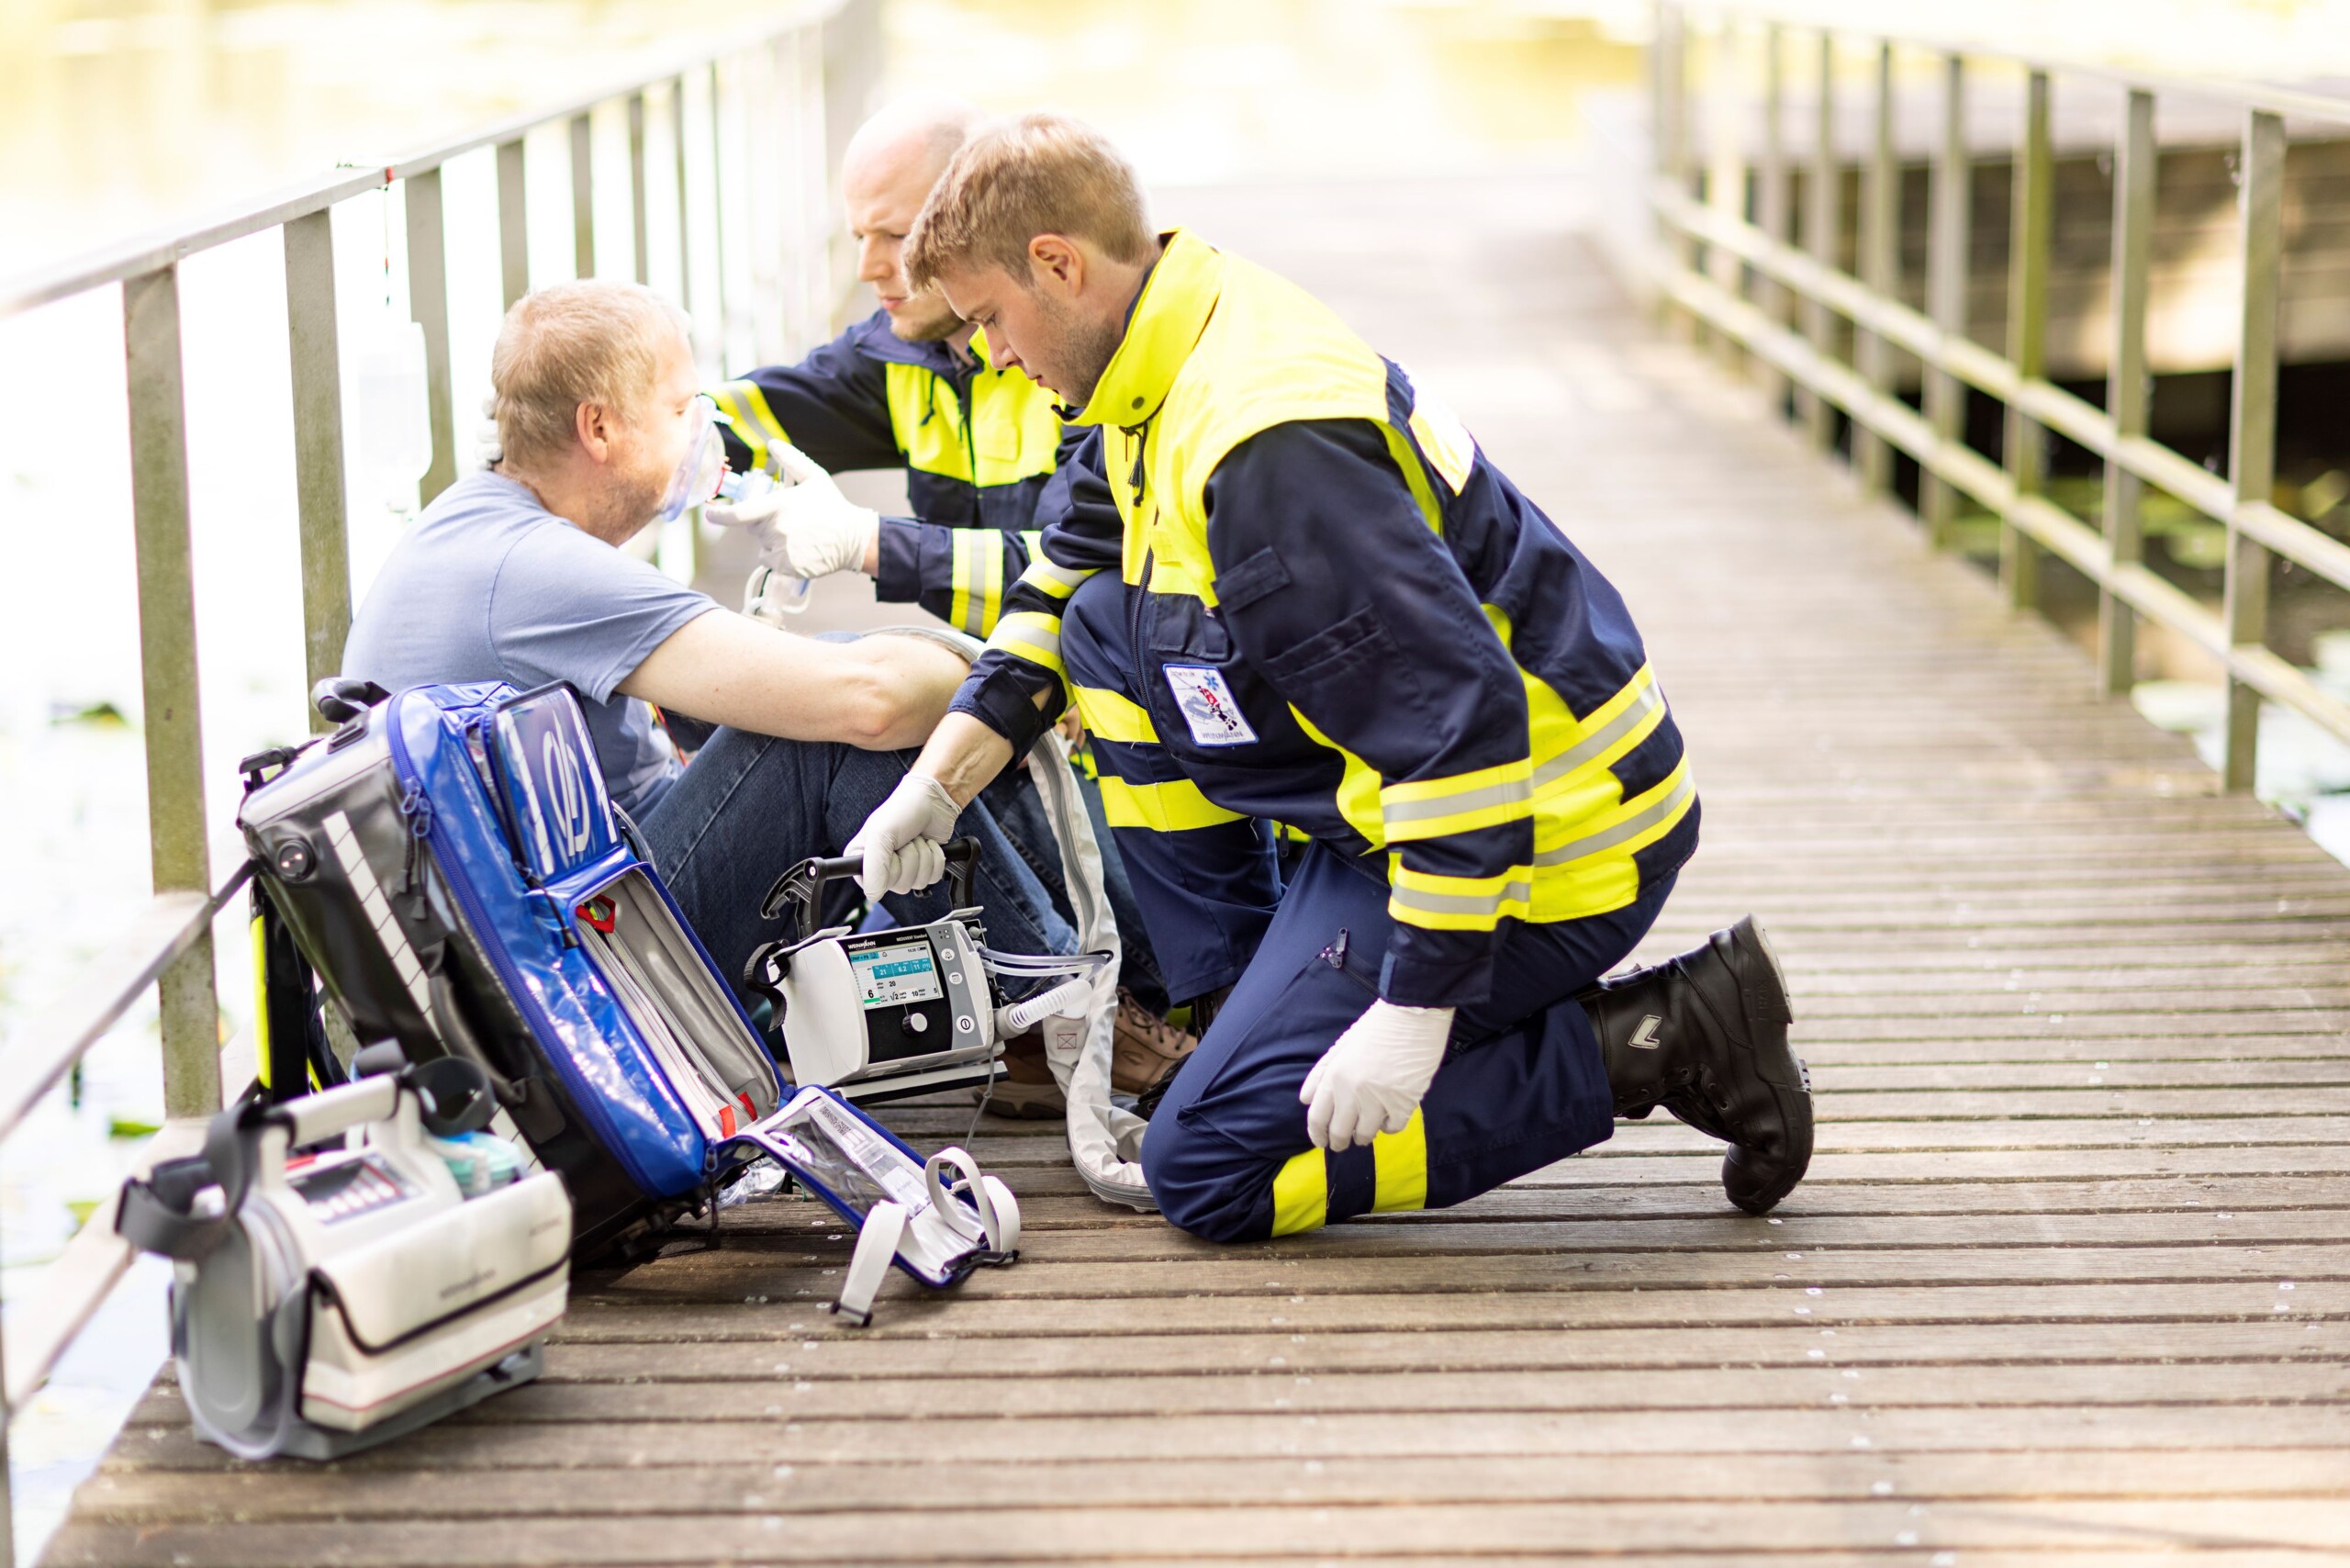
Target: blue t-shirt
[{"x": 491, "y": 585}]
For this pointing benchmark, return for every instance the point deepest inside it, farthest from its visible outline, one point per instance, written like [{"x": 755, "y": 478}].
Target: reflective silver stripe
[
  {"x": 1649, "y": 700},
  {"x": 1462, "y": 903},
  {"x": 1011, "y": 630},
  {"x": 1056, "y": 580},
  {"x": 1506, "y": 791},
  {"x": 1631, "y": 827}
]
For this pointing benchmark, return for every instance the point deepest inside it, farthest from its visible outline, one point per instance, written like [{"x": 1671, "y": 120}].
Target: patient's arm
[{"x": 881, "y": 692}]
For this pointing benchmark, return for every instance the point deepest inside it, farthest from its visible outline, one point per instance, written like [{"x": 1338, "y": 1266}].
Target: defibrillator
[
  {"x": 879, "y": 1016},
  {"x": 327, "y": 1297}
]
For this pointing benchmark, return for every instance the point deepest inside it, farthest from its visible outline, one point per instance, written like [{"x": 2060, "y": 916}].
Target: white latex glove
[
  {"x": 1372, "y": 1077},
  {"x": 489, "y": 447},
  {"x": 805, "y": 526},
  {"x": 902, "y": 843}
]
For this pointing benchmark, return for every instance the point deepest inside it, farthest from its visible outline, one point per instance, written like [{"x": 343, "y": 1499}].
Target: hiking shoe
[
  {"x": 1145, "y": 1050},
  {"x": 1027, "y": 1091},
  {"x": 1704, "y": 1035}
]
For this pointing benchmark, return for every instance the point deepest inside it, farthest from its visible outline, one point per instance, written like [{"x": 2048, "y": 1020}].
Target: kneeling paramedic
[{"x": 1298, "y": 591}]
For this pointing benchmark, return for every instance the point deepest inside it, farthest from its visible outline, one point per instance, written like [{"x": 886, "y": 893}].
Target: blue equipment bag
[{"x": 448, "y": 862}]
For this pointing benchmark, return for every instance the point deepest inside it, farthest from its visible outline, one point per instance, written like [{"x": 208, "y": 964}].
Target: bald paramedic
[
  {"x": 1292, "y": 587},
  {"x": 909, "y": 386}
]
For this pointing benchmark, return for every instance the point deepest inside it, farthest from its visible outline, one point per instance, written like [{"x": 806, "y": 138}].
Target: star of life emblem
[{"x": 1209, "y": 706}]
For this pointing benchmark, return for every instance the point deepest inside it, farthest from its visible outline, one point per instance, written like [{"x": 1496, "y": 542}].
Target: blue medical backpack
[{"x": 450, "y": 865}]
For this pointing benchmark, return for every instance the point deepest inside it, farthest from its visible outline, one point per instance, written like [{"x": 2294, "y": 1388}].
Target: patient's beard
[{"x": 627, "y": 505}]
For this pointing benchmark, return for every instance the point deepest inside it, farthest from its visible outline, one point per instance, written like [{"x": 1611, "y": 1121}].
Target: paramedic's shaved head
[{"x": 886, "y": 176}]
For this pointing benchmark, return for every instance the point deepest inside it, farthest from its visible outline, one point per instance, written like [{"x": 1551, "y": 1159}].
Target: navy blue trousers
[
  {"x": 1522, "y": 1084},
  {"x": 1226, "y": 1155}
]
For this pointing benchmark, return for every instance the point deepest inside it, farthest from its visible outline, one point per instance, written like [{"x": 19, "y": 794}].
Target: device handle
[{"x": 802, "y": 887}]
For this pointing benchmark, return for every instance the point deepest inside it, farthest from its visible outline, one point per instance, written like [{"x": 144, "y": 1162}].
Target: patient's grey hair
[{"x": 590, "y": 342}]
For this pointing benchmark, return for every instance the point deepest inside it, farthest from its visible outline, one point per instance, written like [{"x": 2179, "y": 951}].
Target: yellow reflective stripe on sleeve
[
  {"x": 1637, "y": 710},
  {"x": 1431, "y": 808},
  {"x": 1033, "y": 540},
  {"x": 1047, "y": 578},
  {"x": 1457, "y": 903},
  {"x": 1650, "y": 815},
  {"x": 978, "y": 581},
  {"x": 743, "y": 402},
  {"x": 1402, "y": 1162},
  {"x": 1112, "y": 716},
  {"x": 1030, "y": 635},
  {"x": 1174, "y": 807},
  {"x": 1301, "y": 1192}
]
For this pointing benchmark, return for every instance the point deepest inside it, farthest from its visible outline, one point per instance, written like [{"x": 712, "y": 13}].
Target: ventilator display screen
[{"x": 897, "y": 974}]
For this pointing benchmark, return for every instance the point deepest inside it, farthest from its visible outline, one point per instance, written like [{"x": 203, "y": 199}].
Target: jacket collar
[
  {"x": 876, "y": 341},
  {"x": 1169, "y": 316}
]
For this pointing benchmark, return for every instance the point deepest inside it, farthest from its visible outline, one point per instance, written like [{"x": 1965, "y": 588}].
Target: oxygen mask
[{"x": 699, "y": 470}]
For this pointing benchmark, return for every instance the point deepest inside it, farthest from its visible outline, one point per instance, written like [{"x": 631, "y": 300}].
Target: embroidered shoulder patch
[{"x": 1208, "y": 705}]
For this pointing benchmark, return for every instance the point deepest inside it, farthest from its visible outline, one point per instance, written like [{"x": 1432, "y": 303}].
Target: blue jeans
[{"x": 750, "y": 807}]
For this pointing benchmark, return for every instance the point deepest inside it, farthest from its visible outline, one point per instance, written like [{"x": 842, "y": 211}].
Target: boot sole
[{"x": 1764, "y": 993}]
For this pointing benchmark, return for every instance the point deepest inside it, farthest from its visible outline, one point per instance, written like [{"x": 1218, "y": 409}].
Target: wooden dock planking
[{"x": 2077, "y": 1026}]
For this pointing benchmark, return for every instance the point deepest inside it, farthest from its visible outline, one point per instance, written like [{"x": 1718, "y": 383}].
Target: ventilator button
[{"x": 916, "y": 1024}]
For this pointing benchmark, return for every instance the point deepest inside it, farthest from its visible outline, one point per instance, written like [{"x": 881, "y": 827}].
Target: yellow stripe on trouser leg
[
  {"x": 1302, "y": 1194},
  {"x": 1402, "y": 1160},
  {"x": 1400, "y": 1166}
]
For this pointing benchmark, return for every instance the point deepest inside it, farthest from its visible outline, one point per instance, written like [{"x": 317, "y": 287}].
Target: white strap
[
  {"x": 996, "y": 1223},
  {"x": 877, "y": 1246}
]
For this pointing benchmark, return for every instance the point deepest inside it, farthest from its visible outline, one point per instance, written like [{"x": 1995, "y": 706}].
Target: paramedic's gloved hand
[
  {"x": 902, "y": 843},
  {"x": 805, "y": 526},
  {"x": 1371, "y": 1079}
]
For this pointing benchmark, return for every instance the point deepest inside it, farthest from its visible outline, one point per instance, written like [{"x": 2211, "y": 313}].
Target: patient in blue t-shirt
[{"x": 517, "y": 575}]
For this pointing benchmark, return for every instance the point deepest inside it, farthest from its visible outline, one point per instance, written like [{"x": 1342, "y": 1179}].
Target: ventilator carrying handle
[{"x": 802, "y": 886}]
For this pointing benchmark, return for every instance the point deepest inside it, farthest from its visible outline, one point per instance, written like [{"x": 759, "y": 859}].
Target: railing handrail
[
  {"x": 2108, "y": 552},
  {"x": 144, "y": 253},
  {"x": 769, "y": 225},
  {"x": 2238, "y": 91}
]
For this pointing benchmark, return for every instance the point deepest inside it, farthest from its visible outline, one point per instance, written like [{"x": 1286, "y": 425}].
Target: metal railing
[
  {"x": 791, "y": 90},
  {"x": 1745, "y": 278}
]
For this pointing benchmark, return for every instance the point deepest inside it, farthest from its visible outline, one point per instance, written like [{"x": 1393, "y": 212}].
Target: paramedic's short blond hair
[
  {"x": 1042, "y": 174},
  {"x": 570, "y": 343}
]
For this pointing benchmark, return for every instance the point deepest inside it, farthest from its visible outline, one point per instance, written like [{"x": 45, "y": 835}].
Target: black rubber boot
[{"x": 1704, "y": 1035}]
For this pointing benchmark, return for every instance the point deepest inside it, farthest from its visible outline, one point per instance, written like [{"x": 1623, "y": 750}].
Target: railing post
[
  {"x": 315, "y": 355},
  {"x": 2026, "y": 443},
  {"x": 2126, "y": 384},
  {"x": 1670, "y": 133},
  {"x": 2252, "y": 424},
  {"x": 1949, "y": 243},
  {"x": 174, "y": 730},
  {"x": 639, "y": 233},
  {"x": 1776, "y": 218},
  {"x": 427, "y": 299},
  {"x": 513, "y": 223},
  {"x": 1880, "y": 267},
  {"x": 1823, "y": 209},
  {"x": 1725, "y": 171},
  {"x": 582, "y": 195},
  {"x": 685, "y": 210}
]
